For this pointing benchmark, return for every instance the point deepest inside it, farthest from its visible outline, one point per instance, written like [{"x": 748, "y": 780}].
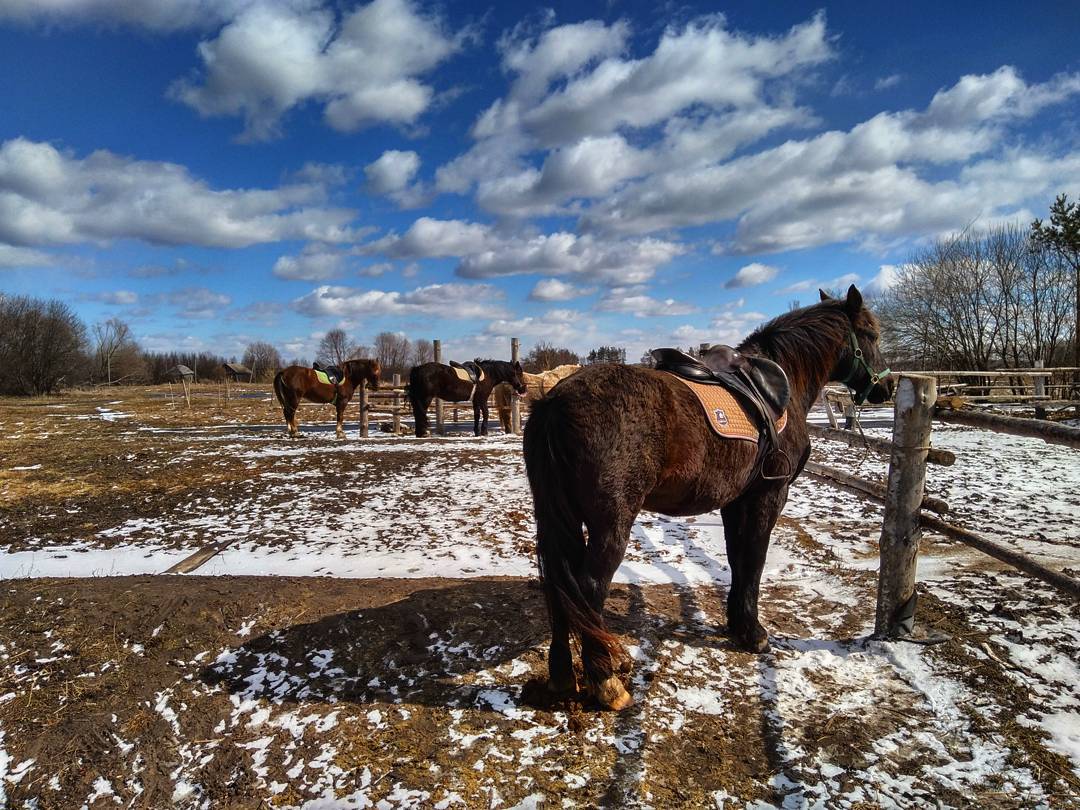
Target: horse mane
[{"x": 804, "y": 341}]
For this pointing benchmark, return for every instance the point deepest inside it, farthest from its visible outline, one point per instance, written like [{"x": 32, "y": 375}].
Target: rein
[{"x": 859, "y": 362}]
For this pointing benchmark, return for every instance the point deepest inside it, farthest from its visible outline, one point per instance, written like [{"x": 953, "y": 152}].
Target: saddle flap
[{"x": 767, "y": 377}]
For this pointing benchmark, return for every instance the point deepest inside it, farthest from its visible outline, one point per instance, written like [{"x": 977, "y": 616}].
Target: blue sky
[{"x": 584, "y": 173}]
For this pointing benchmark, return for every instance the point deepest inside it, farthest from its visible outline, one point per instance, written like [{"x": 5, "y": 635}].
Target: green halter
[{"x": 859, "y": 361}]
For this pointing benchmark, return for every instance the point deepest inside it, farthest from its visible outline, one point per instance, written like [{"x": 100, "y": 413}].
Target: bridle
[{"x": 858, "y": 363}]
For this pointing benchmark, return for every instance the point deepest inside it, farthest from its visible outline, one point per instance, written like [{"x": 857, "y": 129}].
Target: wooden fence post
[
  {"x": 363, "y": 410},
  {"x": 439, "y": 429},
  {"x": 900, "y": 532},
  {"x": 397, "y": 405},
  {"x": 1040, "y": 391},
  {"x": 828, "y": 409},
  {"x": 515, "y": 407}
]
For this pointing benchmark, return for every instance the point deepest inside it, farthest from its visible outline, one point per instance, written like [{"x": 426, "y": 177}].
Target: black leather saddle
[
  {"x": 335, "y": 373},
  {"x": 471, "y": 368},
  {"x": 757, "y": 382}
]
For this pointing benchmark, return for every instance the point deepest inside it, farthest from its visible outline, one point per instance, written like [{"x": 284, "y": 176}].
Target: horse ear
[
  {"x": 517, "y": 365},
  {"x": 824, "y": 295},
  {"x": 854, "y": 300}
]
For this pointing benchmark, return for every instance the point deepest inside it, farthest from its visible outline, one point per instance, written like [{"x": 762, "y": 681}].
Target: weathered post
[
  {"x": 438, "y": 402},
  {"x": 900, "y": 532},
  {"x": 515, "y": 407},
  {"x": 828, "y": 409},
  {"x": 363, "y": 410},
  {"x": 1040, "y": 391},
  {"x": 397, "y": 405}
]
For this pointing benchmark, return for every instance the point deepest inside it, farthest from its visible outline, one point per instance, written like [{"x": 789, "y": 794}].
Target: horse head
[
  {"x": 501, "y": 371},
  {"x": 363, "y": 370},
  {"x": 517, "y": 377},
  {"x": 862, "y": 354}
]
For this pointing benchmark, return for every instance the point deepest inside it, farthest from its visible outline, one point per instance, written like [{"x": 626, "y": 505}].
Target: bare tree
[
  {"x": 335, "y": 348},
  {"x": 423, "y": 352},
  {"x": 393, "y": 351},
  {"x": 110, "y": 338},
  {"x": 263, "y": 360},
  {"x": 977, "y": 300},
  {"x": 545, "y": 356},
  {"x": 42, "y": 345}
]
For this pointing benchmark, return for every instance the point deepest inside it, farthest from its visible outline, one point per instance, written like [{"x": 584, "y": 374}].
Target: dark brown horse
[
  {"x": 432, "y": 380},
  {"x": 296, "y": 383},
  {"x": 613, "y": 440}
]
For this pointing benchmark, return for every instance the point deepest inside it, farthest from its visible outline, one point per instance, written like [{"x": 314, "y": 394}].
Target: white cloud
[
  {"x": 634, "y": 300},
  {"x": 392, "y": 174},
  {"x": 393, "y": 171},
  {"x": 159, "y": 15},
  {"x": 450, "y": 301},
  {"x": 23, "y": 257},
  {"x": 551, "y": 289},
  {"x": 576, "y": 93},
  {"x": 880, "y": 179},
  {"x": 885, "y": 82},
  {"x": 313, "y": 264},
  {"x": 887, "y": 276},
  {"x": 198, "y": 302},
  {"x": 611, "y": 262},
  {"x": 52, "y": 197},
  {"x": 751, "y": 275},
  {"x": 363, "y": 68}
]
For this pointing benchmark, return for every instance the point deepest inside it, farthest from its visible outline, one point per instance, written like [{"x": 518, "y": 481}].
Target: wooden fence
[{"x": 915, "y": 406}]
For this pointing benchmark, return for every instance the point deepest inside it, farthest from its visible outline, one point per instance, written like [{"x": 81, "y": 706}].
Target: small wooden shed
[
  {"x": 237, "y": 372},
  {"x": 180, "y": 373}
]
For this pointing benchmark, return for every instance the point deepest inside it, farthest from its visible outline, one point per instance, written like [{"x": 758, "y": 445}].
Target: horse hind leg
[{"x": 607, "y": 544}]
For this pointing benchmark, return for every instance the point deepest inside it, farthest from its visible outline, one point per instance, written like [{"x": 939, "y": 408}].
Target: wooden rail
[{"x": 933, "y": 455}]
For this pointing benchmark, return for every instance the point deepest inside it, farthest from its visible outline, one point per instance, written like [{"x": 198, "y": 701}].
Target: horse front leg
[
  {"x": 484, "y": 419},
  {"x": 748, "y": 526},
  {"x": 340, "y": 430},
  {"x": 476, "y": 418}
]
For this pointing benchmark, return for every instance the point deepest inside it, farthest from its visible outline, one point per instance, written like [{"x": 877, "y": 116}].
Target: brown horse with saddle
[
  {"x": 612, "y": 440},
  {"x": 459, "y": 382},
  {"x": 333, "y": 386}
]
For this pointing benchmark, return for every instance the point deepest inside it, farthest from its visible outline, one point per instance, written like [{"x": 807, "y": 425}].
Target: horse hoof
[
  {"x": 612, "y": 695},
  {"x": 562, "y": 687}
]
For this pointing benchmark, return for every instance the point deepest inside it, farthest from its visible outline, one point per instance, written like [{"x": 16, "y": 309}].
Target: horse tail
[
  {"x": 560, "y": 540},
  {"x": 279, "y": 390},
  {"x": 412, "y": 388}
]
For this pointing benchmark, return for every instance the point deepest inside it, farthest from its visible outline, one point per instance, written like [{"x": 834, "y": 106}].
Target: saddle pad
[
  {"x": 725, "y": 414},
  {"x": 322, "y": 377},
  {"x": 463, "y": 375}
]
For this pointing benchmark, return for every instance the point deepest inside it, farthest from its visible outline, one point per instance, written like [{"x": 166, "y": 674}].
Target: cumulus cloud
[
  {"x": 451, "y": 301},
  {"x": 49, "y": 196},
  {"x": 576, "y": 96},
  {"x": 363, "y": 67},
  {"x": 881, "y": 178},
  {"x": 551, "y": 289},
  {"x": 635, "y": 301},
  {"x": 392, "y": 175},
  {"x": 487, "y": 253},
  {"x": 313, "y": 264},
  {"x": 751, "y": 275},
  {"x": 23, "y": 257},
  {"x": 198, "y": 302},
  {"x": 160, "y": 15},
  {"x": 605, "y": 261}
]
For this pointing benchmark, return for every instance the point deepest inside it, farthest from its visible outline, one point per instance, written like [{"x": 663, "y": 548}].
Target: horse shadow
[{"x": 438, "y": 646}]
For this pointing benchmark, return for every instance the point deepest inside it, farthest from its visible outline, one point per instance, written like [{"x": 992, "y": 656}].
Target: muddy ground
[{"x": 411, "y": 678}]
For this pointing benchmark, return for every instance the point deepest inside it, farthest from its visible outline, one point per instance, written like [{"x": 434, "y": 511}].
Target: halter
[{"x": 857, "y": 362}]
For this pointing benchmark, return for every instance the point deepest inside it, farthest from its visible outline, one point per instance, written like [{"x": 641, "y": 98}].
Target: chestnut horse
[
  {"x": 612, "y": 440},
  {"x": 296, "y": 383},
  {"x": 432, "y": 380}
]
